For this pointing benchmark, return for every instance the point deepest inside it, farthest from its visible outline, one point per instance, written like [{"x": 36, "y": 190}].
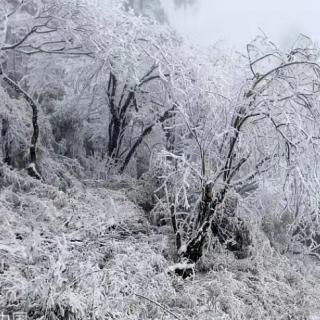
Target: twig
[{"x": 158, "y": 304}]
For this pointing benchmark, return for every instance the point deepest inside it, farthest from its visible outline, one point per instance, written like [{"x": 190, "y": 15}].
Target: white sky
[{"x": 236, "y": 22}]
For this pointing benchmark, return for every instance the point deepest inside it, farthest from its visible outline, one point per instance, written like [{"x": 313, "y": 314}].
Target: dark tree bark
[
  {"x": 175, "y": 226},
  {"x": 133, "y": 149},
  {"x": 167, "y": 115},
  {"x": 32, "y": 168},
  {"x": 114, "y": 125},
  {"x": 208, "y": 208},
  {"x": 4, "y": 136},
  {"x": 120, "y": 103},
  {"x": 119, "y": 115}
]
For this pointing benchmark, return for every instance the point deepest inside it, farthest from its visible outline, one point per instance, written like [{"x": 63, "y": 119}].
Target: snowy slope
[{"x": 90, "y": 253}]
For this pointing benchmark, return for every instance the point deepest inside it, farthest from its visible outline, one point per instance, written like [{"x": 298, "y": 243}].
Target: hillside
[
  {"x": 90, "y": 252},
  {"x": 144, "y": 178}
]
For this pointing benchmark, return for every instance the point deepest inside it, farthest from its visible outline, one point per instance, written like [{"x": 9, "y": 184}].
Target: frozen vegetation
[
  {"x": 90, "y": 253},
  {"x": 141, "y": 178}
]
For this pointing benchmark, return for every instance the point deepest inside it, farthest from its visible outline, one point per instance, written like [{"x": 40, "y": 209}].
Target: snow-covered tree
[{"x": 250, "y": 125}]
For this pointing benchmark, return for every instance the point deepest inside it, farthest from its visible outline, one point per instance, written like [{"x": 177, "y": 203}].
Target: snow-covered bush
[{"x": 89, "y": 252}]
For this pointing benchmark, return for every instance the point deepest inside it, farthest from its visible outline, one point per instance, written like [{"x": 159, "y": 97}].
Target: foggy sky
[{"x": 233, "y": 23}]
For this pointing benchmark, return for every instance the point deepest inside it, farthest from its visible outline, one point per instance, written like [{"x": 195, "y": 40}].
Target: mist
[{"x": 235, "y": 23}]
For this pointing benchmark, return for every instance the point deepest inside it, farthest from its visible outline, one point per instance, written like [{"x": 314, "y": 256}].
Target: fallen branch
[{"x": 158, "y": 304}]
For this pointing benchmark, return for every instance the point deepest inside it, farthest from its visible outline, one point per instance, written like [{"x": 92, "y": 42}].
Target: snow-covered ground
[{"x": 91, "y": 253}]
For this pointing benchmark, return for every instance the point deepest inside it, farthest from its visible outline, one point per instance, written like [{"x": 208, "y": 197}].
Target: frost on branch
[{"x": 217, "y": 152}]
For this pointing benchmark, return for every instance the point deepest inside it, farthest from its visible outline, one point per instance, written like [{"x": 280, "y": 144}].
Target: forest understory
[{"x": 90, "y": 253}]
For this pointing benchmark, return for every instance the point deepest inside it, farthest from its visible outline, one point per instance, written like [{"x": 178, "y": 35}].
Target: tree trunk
[
  {"x": 32, "y": 170},
  {"x": 208, "y": 208},
  {"x": 4, "y": 137},
  {"x": 133, "y": 149},
  {"x": 167, "y": 115}
]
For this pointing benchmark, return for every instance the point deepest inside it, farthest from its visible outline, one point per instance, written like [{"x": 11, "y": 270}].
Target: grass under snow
[{"x": 90, "y": 253}]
